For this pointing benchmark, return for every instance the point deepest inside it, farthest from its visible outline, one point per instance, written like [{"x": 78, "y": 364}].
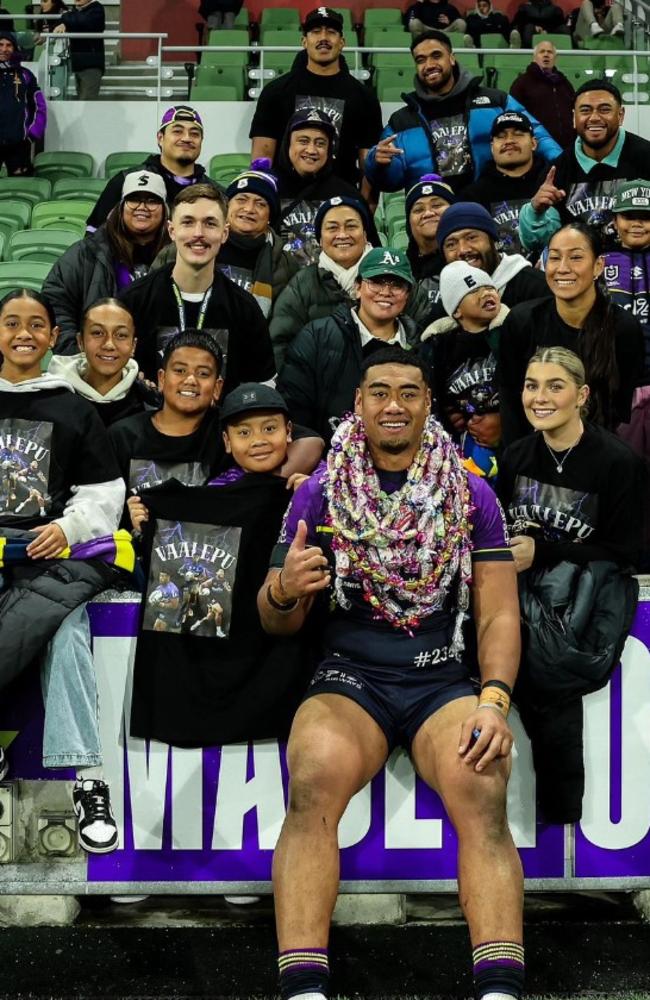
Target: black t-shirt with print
[
  {"x": 147, "y": 457},
  {"x": 591, "y": 510},
  {"x": 351, "y": 105},
  {"x": 464, "y": 371},
  {"x": 50, "y": 441},
  {"x": 531, "y": 325},
  {"x": 232, "y": 317}
]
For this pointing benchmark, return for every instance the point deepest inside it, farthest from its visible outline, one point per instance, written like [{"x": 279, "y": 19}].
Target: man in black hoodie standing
[
  {"x": 320, "y": 79},
  {"x": 180, "y": 138},
  {"x": 510, "y": 178}
]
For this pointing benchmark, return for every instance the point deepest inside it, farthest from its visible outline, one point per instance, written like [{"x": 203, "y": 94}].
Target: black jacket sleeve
[
  {"x": 93, "y": 19},
  {"x": 108, "y": 199},
  {"x": 63, "y": 287},
  {"x": 297, "y": 380}
]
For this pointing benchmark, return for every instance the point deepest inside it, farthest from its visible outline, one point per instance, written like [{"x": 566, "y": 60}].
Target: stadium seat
[
  {"x": 505, "y": 78},
  {"x": 22, "y": 274},
  {"x": 400, "y": 241},
  {"x": 32, "y": 189},
  {"x": 70, "y": 215},
  {"x": 216, "y": 93},
  {"x": 457, "y": 39},
  {"x": 390, "y": 95},
  {"x": 209, "y": 77},
  {"x": 605, "y": 42},
  {"x": 219, "y": 57},
  {"x": 469, "y": 59},
  {"x": 43, "y": 245},
  {"x": 377, "y": 17},
  {"x": 280, "y": 17},
  {"x": 578, "y": 67},
  {"x": 70, "y": 187},
  {"x": 393, "y": 60},
  {"x": 123, "y": 161},
  {"x": 15, "y": 213},
  {"x": 61, "y": 163},
  {"x": 225, "y": 166},
  {"x": 348, "y": 27},
  {"x": 4, "y": 238},
  {"x": 559, "y": 41},
  {"x": 387, "y": 38},
  {"x": 493, "y": 40}
]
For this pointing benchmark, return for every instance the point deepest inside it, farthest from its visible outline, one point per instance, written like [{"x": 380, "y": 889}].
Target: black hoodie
[{"x": 503, "y": 197}]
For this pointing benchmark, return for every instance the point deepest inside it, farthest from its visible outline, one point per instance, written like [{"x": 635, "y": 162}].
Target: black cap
[
  {"x": 323, "y": 15},
  {"x": 312, "y": 118},
  {"x": 511, "y": 119},
  {"x": 251, "y": 396}
]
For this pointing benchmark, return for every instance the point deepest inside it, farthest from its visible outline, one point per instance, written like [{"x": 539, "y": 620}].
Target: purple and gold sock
[
  {"x": 304, "y": 972},
  {"x": 498, "y": 968}
]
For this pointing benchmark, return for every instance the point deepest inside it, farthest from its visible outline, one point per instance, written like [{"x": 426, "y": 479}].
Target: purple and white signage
[{"x": 213, "y": 816}]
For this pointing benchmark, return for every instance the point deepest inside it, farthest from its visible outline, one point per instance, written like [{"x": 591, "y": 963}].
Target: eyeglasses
[
  {"x": 392, "y": 284},
  {"x": 149, "y": 200}
]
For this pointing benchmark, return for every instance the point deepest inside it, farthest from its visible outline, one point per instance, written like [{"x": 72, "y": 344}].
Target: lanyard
[{"x": 181, "y": 307}]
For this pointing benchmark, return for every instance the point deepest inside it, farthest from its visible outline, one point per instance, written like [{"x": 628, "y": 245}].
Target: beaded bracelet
[{"x": 277, "y": 606}]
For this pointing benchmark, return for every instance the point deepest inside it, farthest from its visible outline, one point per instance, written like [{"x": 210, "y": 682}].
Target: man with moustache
[
  {"x": 510, "y": 179},
  {"x": 180, "y": 138},
  {"x": 320, "y": 79},
  {"x": 582, "y": 184},
  {"x": 445, "y": 126}
]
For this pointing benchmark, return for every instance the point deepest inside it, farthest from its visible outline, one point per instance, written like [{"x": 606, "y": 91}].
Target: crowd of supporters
[{"x": 189, "y": 361}]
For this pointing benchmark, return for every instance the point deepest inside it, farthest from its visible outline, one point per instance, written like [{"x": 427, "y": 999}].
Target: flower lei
[{"x": 407, "y": 549}]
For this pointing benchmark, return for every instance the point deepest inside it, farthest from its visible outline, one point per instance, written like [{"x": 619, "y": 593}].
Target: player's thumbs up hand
[{"x": 305, "y": 569}]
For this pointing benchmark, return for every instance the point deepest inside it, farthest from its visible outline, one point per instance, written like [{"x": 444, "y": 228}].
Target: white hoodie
[{"x": 73, "y": 367}]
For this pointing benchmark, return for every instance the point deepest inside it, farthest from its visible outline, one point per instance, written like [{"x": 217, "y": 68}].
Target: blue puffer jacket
[{"x": 481, "y": 106}]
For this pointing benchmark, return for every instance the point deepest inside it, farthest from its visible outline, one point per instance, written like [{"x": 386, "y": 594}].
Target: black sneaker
[
  {"x": 4, "y": 765},
  {"x": 97, "y": 826}
]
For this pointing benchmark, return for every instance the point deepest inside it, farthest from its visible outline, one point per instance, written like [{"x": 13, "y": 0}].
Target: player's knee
[
  {"x": 478, "y": 805},
  {"x": 314, "y": 789}
]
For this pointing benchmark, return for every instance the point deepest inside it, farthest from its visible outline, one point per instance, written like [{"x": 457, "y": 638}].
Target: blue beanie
[
  {"x": 428, "y": 184},
  {"x": 258, "y": 179},
  {"x": 465, "y": 215},
  {"x": 358, "y": 204}
]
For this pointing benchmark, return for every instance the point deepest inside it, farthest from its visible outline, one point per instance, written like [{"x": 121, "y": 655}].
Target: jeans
[
  {"x": 88, "y": 84},
  {"x": 71, "y": 731}
]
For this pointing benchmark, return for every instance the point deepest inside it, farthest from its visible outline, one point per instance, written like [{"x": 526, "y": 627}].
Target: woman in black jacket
[
  {"x": 582, "y": 317},
  {"x": 107, "y": 261}
]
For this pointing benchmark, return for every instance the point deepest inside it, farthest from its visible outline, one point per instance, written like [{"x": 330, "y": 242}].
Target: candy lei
[{"x": 407, "y": 549}]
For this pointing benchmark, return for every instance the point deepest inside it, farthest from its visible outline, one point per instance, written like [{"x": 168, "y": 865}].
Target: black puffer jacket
[
  {"x": 81, "y": 276},
  {"x": 322, "y": 370}
]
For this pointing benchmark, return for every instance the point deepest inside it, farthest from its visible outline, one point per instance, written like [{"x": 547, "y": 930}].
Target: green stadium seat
[
  {"x": 22, "y": 274},
  {"x": 471, "y": 61},
  {"x": 115, "y": 162},
  {"x": 225, "y": 166},
  {"x": 507, "y": 60},
  {"x": 209, "y": 77},
  {"x": 387, "y": 37},
  {"x": 400, "y": 241},
  {"x": 279, "y": 36},
  {"x": 4, "y": 238},
  {"x": 15, "y": 213},
  {"x": 70, "y": 187},
  {"x": 215, "y": 93},
  {"x": 221, "y": 58},
  {"x": 393, "y": 60},
  {"x": 390, "y": 95},
  {"x": 493, "y": 40},
  {"x": 457, "y": 39},
  {"x": 377, "y": 17},
  {"x": 60, "y": 163},
  {"x": 605, "y": 42},
  {"x": 70, "y": 215},
  {"x": 348, "y": 27},
  {"x": 559, "y": 41},
  {"x": 280, "y": 17},
  {"x": 43, "y": 245},
  {"x": 505, "y": 79},
  {"x": 578, "y": 67},
  {"x": 32, "y": 189}
]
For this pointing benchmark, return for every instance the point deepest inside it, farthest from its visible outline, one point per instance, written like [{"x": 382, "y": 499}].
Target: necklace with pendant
[{"x": 560, "y": 463}]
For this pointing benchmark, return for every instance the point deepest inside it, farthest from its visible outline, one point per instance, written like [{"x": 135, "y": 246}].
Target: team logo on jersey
[{"x": 611, "y": 273}]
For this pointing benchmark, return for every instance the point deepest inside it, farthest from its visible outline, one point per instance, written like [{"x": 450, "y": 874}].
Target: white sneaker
[
  {"x": 596, "y": 29},
  {"x": 97, "y": 826},
  {"x": 515, "y": 39},
  {"x": 242, "y": 900},
  {"x": 618, "y": 29}
]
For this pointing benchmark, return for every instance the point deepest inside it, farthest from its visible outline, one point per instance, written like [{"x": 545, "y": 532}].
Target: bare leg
[
  {"x": 490, "y": 878},
  {"x": 335, "y": 748}
]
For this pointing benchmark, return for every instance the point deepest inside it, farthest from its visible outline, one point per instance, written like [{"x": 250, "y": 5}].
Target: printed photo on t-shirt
[
  {"x": 241, "y": 276},
  {"x": 560, "y": 513},
  {"x": 25, "y": 449},
  {"x": 333, "y": 107},
  {"x": 472, "y": 387},
  {"x": 506, "y": 216},
  {"x": 191, "y": 579},
  {"x": 165, "y": 333},
  {"x": 144, "y": 473},
  {"x": 591, "y": 202},
  {"x": 297, "y": 230},
  {"x": 450, "y": 138}
]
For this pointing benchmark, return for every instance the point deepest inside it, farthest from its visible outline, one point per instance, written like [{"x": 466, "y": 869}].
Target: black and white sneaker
[
  {"x": 97, "y": 826},
  {"x": 4, "y": 765}
]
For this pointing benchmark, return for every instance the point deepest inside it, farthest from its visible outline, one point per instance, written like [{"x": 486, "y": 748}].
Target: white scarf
[{"x": 345, "y": 276}]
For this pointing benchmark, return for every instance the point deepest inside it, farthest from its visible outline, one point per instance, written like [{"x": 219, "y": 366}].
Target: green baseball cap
[
  {"x": 386, "y": 260},
  {"x": 632, "y": 197}
]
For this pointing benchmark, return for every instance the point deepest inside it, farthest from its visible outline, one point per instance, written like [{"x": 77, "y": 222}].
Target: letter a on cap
[{"x": 390, "y": 258}]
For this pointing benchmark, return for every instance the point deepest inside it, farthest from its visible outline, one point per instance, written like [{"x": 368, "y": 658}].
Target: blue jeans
[{"x": 71, "y": 731}]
